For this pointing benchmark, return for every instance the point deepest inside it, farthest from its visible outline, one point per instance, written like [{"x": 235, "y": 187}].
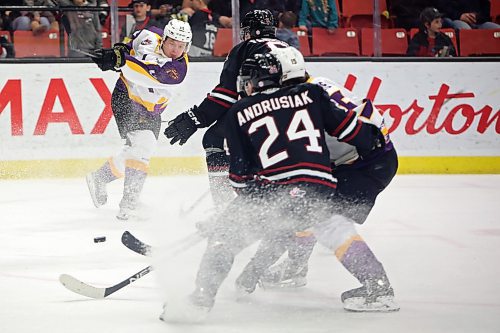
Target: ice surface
[{"x": 437, "y": 236}]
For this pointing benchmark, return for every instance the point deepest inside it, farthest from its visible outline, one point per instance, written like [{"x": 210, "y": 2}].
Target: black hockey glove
[
  {"x": 377, "y": 146},
  {"x": 182, "y": 127},
  {"x": 110, "y": 59}
]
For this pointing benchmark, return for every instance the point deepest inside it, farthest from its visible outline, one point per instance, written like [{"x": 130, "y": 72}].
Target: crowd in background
[{"x": 206, "y": 16}]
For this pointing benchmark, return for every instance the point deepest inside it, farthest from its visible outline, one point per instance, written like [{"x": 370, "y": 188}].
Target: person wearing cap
[
  {"x": 150, "y": 65},
  {"x": 430, "y": 41},
  {"x": 141, "y": 13}
]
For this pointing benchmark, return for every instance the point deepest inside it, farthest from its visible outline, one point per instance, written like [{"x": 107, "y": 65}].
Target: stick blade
[{"x": 79, "y": 287}]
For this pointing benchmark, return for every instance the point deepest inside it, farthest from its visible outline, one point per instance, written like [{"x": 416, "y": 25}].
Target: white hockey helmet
[
  {"x": 292, "y": 63},
  {"x": 178, "y": 30}
]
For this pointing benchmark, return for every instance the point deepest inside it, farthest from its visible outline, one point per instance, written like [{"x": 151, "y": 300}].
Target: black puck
[{"x": 99, "y": 239}]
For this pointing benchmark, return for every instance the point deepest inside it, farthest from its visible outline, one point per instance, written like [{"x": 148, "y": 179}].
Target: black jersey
[
  {"x": 279, "y": 137},
  {"x": 204, "y": 27},
  {"x": 224, "y": 95}
]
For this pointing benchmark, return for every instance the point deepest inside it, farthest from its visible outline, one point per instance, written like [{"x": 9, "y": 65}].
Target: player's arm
[
  {"x": 213, "y": 107},
  {"x": 150, "y": 74},
  {"x": 241, "y": 176},
  {"x": 348, "y": 128}
]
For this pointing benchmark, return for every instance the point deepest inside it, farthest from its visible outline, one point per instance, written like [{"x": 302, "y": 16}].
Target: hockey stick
[
  {"x": 87, "y": 290},
  {"x": 186, "y": 212},
  {"x": 91, "y": 55},
  {"x": 138, "y": 246},
  {"x": 73, "y": 284}
]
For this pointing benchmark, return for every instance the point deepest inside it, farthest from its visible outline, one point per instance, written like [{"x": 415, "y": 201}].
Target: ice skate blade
[
  {"x": 381, "y": 304},
  {"x": 296, "y": 282}
]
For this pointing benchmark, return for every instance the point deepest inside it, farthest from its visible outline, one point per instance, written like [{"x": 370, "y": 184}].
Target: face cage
[
  {"x": 243, "y": 32},
  {"x": 241, "y": 81}
]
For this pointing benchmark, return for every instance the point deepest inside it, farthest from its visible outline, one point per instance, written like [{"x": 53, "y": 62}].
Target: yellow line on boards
[{"x": 164, "y": 166}]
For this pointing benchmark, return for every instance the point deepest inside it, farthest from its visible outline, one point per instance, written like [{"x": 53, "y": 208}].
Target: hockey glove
[
  {"x": 182, "y": 127},
  {"x": 109, "y": 59}
]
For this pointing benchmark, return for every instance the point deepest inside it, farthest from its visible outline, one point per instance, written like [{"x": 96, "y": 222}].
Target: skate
[
  {"x": 373, "y": 296},
  {"x": 245, "y": 284},
  {"x": 97, "y": 190},
  {"x": 194, "y": 309},
  {"x": 284, "y": 275}
]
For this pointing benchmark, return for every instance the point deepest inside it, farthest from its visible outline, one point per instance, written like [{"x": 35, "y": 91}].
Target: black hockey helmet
[
  {"x": 258, "y": 23},
  {"x": 262, "y": 70}
]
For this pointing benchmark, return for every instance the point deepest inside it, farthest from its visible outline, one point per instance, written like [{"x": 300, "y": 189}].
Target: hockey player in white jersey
[
  {"x": 149, "y": 66},
  {"x": 360, "y": 180}
]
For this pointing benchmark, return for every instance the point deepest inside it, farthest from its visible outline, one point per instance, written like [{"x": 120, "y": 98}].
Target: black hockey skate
[
  {"x": 284, "y": 275},
  {"x": 373, "y": 296}
]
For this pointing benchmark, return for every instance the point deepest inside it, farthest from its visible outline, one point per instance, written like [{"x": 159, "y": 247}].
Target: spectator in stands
[
  {"x": 286, "y": 21},
  {"x": 83, "y": 28},
  {"x": 6, "y": 48},
  {"x": 37, "y": 22},
  {"x": 223, "y": 7},
  {"x": 142, "y": 19},
  {"x": 429, "y": 41},
  {"x": 204, "y": 24},
  {"x": 407, "y": 12},
  {"x": 467, "y": 14},
  {"x": 318, "y": 13}
]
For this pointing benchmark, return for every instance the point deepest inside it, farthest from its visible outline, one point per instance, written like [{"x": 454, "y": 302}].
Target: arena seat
[
  {"x": 343, "y": 42},
  {"x": 305, "y": 46},
  {"x": 495, "y": 11},
  {"x": 42, "y": 45},
  {"x": 223, "y": 42},
  {"x": 479, "y": 42},
  {"x": 394, "y": 42},
  {"x": 359, "y": 13}
]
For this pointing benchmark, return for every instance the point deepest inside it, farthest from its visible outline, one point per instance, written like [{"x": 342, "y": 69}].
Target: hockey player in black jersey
[
  {"x": 359, "y": 180},
  {"x": 258, "y": 36},
  {"x": 279, "y": 165}
]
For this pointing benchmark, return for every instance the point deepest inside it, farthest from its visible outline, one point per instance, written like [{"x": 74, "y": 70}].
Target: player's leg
[
  {"x": 138, "y": 155},
  {"x": 376, "y": 294},
  {"x": 269, "y": 251},
  {"x": 217, "y": 165},
  {"x": 292, "y": 271},
  {"x": 114, "y": 168},
  {"x": 142, "y": 129},
  {"x": 234, "y": 230}
]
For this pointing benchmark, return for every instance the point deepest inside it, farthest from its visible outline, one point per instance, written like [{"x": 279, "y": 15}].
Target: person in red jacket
[{"x": 430, "y": 41}]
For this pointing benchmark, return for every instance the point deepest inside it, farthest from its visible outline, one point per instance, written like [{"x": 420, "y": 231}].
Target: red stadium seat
[
  {"x": 479, "y": 42},
  {"x": 223, "y": 42},
  {"x": 43, "y": 45},
  {"x": 343, "y": 42},
  {"x": 359, "y": 13},
  {"x": 123, "y": 3},
  {"x": 448, "y": 32},
  {"x": 394, "y": 42},
  {"x": 106, "y": 38},
  {"x": 305, "y": 47},
  {"x": 495, "y": 11}
]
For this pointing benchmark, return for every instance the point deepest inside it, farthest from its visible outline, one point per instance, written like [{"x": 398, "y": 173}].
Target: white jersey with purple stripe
[
  {"x": 340, "y": 152},
  {"x": 148, "y": 75}
]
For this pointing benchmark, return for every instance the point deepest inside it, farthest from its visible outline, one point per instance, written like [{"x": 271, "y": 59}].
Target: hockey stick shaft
[{"x": 185, "y": 212}]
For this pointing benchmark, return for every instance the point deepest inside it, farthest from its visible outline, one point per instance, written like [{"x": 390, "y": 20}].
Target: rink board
[{"x": 55, "y": 119}]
